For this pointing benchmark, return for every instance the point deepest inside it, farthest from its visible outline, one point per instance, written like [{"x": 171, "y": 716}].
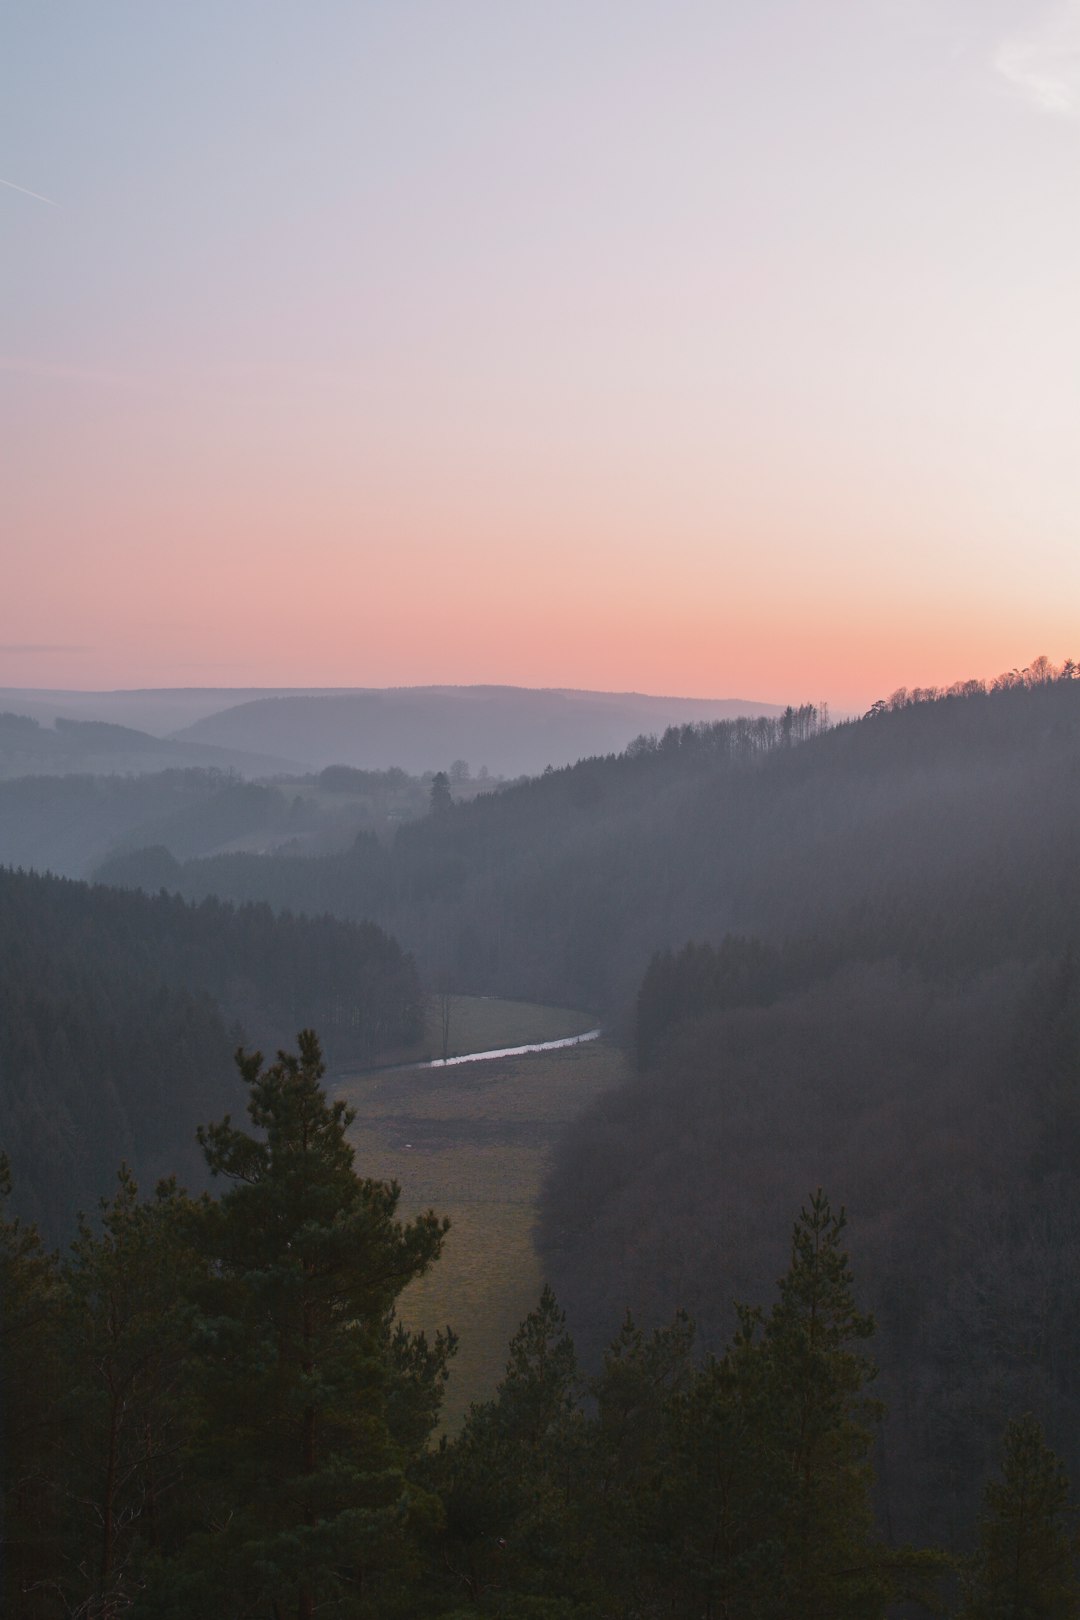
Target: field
[
  {"x": 483, "y": 1023},
  {"x": 472, "y": 1142}
]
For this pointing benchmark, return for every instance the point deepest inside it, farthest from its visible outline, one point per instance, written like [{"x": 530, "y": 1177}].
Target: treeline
[
  {"x": 734, "y": 741},
  {"x": 210, "y": 1411},
  {"x": 1040, "y": 672},
  {"x": 119, "y": 1014}
]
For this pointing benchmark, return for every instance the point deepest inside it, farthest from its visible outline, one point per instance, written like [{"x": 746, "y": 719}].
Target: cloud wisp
[
  {"x": 40, "y": 647},
  {"x": 1043, "y": 65},
  {"x": 27, "y": 193}
]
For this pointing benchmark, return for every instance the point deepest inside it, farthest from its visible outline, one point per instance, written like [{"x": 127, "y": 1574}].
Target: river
[{"x": 504, "y": 1052}]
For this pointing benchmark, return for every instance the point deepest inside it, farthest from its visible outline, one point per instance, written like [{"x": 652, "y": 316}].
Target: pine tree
[
  {"x": 537, "y": 1396},
  {"x": 1026, "y": 1564},
  {"x": 816, "y": 1372},
  {"x": 441, "y": 798},
  {"x": 29, "y": 1419},
  {"x": 774, "y": 1452},
  {"x": 507, "y": 1479},
  {"x": 630, "y": 1505},
  {"x": 127, "y": 1314},
  {"x": 303, "y": 1474}
]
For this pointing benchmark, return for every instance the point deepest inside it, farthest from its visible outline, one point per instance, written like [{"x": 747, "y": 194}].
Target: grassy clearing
[
  {"x": 479, "y": 1023},
  {"x": 483, "y": 1023},
  {"x": 473, "y": 1142}
]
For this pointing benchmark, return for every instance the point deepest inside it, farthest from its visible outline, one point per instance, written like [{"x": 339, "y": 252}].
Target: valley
[{"x": 474, "y": 1142}]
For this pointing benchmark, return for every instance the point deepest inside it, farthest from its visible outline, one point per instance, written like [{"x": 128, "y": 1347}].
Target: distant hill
[
  {"x": 158, "y": 710},
  {"x": 98, "y": 747},
  {"x": 71, "y": 822},
  {"x": 513, "y": 731}
]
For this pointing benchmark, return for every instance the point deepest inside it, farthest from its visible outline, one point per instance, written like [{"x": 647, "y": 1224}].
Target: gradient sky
[{"x": 697, "y": 347}]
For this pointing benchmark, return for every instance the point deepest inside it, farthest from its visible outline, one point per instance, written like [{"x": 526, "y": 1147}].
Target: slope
[{"x": 119, "y": 1014}]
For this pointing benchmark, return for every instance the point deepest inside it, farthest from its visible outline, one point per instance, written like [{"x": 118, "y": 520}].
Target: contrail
[{"x": 26, "y": 193}]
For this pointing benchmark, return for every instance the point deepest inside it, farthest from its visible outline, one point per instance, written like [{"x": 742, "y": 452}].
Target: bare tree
[{"x": 444, "y": 999}]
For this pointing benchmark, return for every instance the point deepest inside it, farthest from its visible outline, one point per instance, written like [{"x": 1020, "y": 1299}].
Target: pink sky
[{"x": 628, "y": 347}]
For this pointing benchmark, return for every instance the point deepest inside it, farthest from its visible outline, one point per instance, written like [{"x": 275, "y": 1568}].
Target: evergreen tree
[
  {"x": 126, "y": 1319},
  {"x": 29, "y": 1425},
  {"x": 537, "y": 1396},
  {"x": 628, "y": 1513},
  {"x": 816, "y": 1371},
  {"x": 775, "y": 1452},
  {"x": 507, "y": 1479},
  {"x": 441, "y": 798},
  {"x": 1026, "y": 1564},
  {"x": 305, "y": 1496}
]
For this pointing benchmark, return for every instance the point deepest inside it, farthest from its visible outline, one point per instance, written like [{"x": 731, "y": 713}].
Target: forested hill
[
  {"x": 119, "y": 1015},
  {"x": 908, "y": 1035},
  {"x": 73, "y": 824},
  {"x": 938, "y": 830}
]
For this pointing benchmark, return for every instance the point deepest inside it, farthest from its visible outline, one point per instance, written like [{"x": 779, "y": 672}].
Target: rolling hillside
[{"x": 512, "y": 731}]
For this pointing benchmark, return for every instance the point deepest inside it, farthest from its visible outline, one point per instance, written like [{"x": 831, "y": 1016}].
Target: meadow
[
  {"x": 473, "y": 1142},
  {"x": 484, "y": 1024}
]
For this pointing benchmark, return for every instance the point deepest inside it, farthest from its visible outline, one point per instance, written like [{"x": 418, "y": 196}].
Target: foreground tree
[
  {"x": 29, "y": 1415},
  {"x": 819, "y": 1370},
  {"x": 630, "y": 1513},
  {"x": 508, "y": 1479},
  {"x": 1025, "y": 1567},
  {"x": 774, "y": 1470},
  {"x": 126, "y": 1315},
  {"x": 310, "y": 1400}
]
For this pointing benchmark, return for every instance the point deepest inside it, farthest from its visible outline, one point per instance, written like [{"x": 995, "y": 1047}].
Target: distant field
[
  {"x": 482, "y": 1023},
  {"x": 472, "y": 1142}
]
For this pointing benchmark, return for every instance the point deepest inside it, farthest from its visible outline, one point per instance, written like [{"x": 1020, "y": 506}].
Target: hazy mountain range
[{"x": 512, "y": 731}]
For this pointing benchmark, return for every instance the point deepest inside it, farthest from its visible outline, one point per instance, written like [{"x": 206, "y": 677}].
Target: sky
[{"x": 692, "y": 347}]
